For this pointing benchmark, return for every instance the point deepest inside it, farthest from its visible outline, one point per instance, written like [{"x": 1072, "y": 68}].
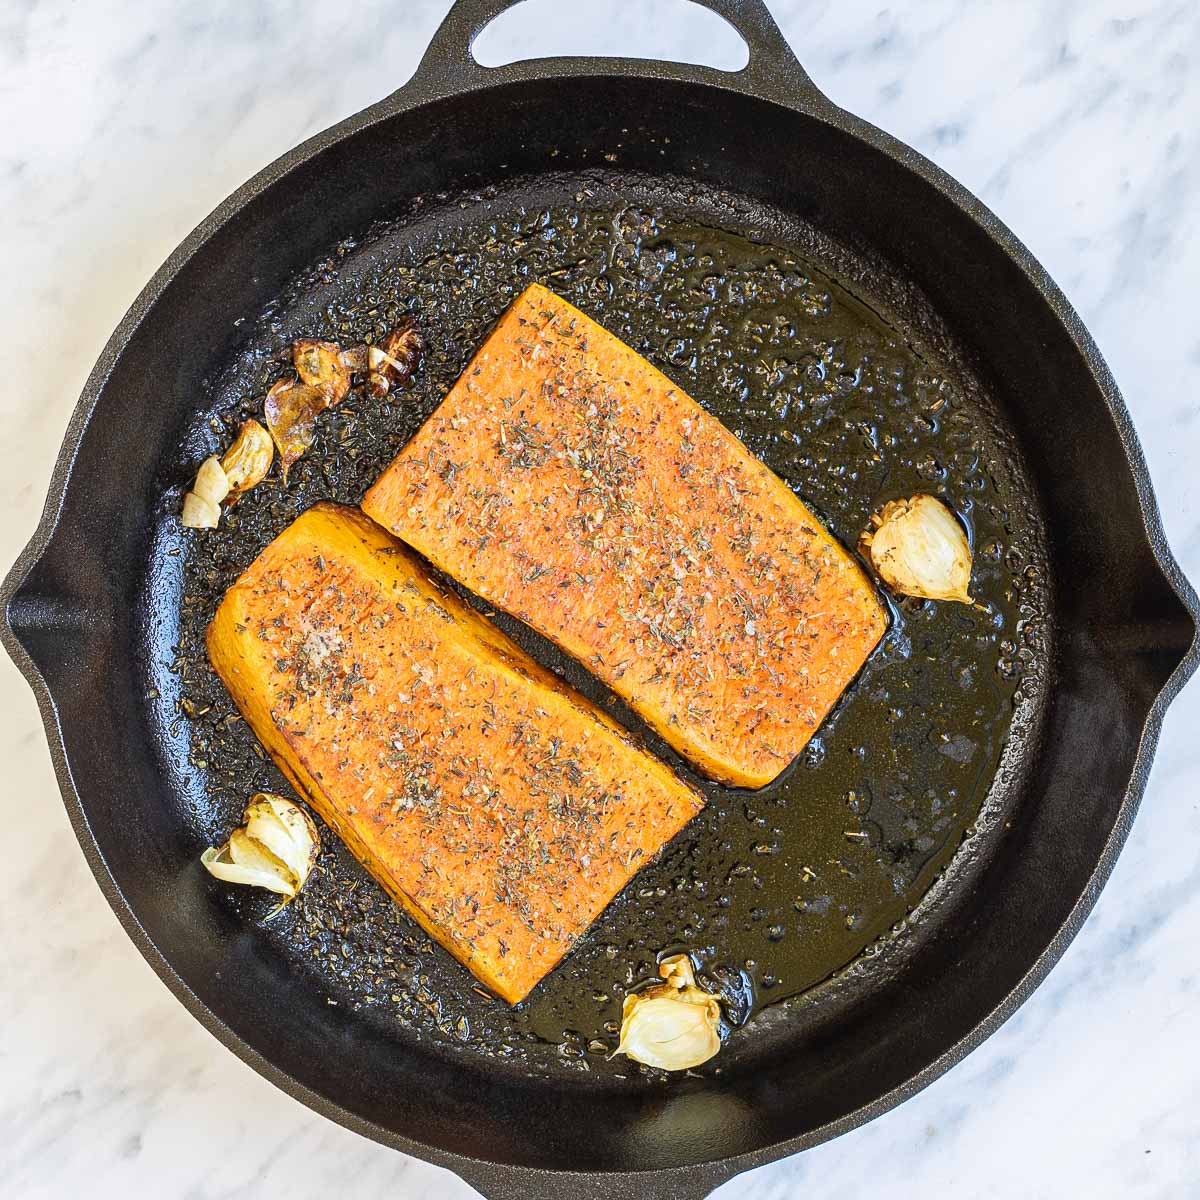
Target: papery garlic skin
[
  {"x": 275, "y": 847},
  {"x": 674, "y": 1025},
  {"x": 918, "y": 548}
]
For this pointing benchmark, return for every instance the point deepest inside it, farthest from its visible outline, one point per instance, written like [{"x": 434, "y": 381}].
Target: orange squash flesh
[
  {"x": 570, "y": 483},
  {"x": 497, "y": 805}
]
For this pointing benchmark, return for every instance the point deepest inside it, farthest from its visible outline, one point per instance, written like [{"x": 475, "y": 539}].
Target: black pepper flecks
[{"x": 849, "y": 409}]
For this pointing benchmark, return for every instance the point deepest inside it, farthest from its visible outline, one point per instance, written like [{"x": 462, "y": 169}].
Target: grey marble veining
[{"x": 122, "y": 124}]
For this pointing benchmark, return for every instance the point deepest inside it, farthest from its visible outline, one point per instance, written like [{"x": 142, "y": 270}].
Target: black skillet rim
[{"x": 773, "y": 77}]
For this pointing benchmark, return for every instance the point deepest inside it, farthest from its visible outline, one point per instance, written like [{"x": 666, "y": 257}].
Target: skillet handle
[{"x": 774, "y": 72}]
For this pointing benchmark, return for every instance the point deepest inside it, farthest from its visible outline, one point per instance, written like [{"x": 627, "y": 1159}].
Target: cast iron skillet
[{"x": 1124, "y": 618}]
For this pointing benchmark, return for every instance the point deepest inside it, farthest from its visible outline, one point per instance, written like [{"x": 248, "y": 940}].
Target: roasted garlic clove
[
  {"x": 291, "y": 410},
  {"x": 673, "y": 1025},
  {"x": 199, "y": 513},
  {"x": 918, "y": 548},
  {"x": 202, "y": 505},
  {"x": 248, "y": 460},
  {"x": 275, "y": 847},
  {"x": 354, "y": 358},
  {"x": 221, "y": 864},
  {"x": 320, "y": 365},
  {"x": 212, "y": 484},
  {"x": 284, "y": 829},
  {"x": 395, "y": 359}
]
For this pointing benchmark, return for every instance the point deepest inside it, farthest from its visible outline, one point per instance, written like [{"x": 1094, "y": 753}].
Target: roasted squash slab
[
  {"x": 498, "y": 806},
  {"x": 569, "y": 482}
]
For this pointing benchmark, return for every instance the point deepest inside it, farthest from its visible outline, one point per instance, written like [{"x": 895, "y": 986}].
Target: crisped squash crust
[
  {"x": 493, "y": 802},
  {"x": 570, "y": 483}
]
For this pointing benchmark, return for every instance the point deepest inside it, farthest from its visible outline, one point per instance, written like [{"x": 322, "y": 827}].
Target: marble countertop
[{"x": 1078, "y": 121}]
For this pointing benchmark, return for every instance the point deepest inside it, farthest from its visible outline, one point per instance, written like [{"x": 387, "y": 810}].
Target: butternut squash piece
[
  {"x": 498, "y": 806},
  {"x": 571, "y": 484}
]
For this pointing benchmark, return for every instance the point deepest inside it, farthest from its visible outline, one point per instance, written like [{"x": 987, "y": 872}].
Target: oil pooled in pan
[{"x": 772, "y": 891}]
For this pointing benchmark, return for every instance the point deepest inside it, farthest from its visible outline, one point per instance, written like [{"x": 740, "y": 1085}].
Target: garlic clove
[
  {"x": 673, "y": 1025},
  {"x": 291, "y": 410},
  {"x": 248, "y": 460},
  {"x": 275, "y": 847},
  {"x": 378, "y": 359},
  {"x": 395, "y": 359},
  {"x": 218, "y": 863},
  {"x": 264, "y": 829},
  {"x": 918, "y": 548},
  {"x": 319, "y": 364},
  {"x": 250, "y": 852},
  {"x": 212, "y": 484},
  {"x": 679, "y": 973},
  {"x": 354, "y": 358},
  {"x": 404, "y": 347},
  {"x": 285, "y": 830},
  {"x": 199, "y": 513},
  {"x": 669, "y": 1033}
]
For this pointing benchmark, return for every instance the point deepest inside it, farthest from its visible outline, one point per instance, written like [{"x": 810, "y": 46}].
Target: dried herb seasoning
[{"x": 848, "y": 409}]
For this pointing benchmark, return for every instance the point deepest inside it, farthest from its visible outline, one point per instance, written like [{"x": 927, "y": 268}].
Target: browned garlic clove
[
  {"x": 672, "y": 1025},
  {"x": 395, "y": 359},
  {"x": 275, "y": 847},
  {"x": 354, "y": 358},
  {"x": 248, "y": 460},
  {"x": 918, "y": 548},
  {"x": 291, "y": 410},
  {"x": 319, "y": 365},
  {"x": 378, "y": 385}
]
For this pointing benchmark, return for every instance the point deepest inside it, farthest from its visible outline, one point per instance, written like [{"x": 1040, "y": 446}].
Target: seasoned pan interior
[
  {"x": 774, "y": 890},
  {"x": 867, "y": 339}
]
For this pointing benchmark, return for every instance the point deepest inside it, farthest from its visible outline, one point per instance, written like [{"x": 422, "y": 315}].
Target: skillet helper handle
[{"x": 773, "y": 71}]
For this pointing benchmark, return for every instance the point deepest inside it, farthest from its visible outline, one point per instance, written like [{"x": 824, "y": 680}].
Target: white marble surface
[{"x": 122, "y": 124}]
